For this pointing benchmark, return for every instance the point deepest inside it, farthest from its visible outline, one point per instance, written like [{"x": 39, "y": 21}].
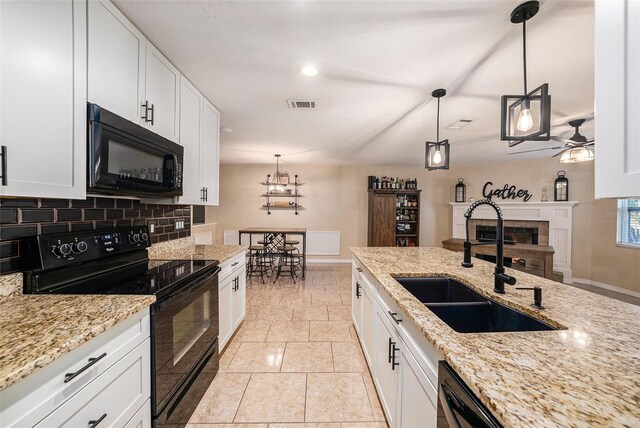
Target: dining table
[{"x": 276, "y": 237}]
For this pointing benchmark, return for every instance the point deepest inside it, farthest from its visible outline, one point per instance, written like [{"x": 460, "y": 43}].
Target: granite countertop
[
  {"x": 187, "y": 250},
  {"x": 37, "y": 329},
  {"x": 586, "y": 374}
]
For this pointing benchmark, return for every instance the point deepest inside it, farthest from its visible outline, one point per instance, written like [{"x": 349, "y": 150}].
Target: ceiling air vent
[
  {"x": 303, "y": 104},
  {"x": 459, "y": 124}
]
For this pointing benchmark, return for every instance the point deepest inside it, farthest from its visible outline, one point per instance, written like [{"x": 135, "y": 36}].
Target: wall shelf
[{"x": 295, "y": 195}]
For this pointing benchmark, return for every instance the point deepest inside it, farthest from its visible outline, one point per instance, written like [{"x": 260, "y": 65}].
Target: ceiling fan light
[{"x": 577, "y": 154}]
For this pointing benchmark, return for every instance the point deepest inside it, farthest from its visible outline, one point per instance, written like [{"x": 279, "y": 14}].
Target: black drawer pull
[
  {"x": 394, "y": 364},
  {"x": 3, "y": 154},
  {"x": 68, "y": 377},
  {"x": 93, "y": 424},
  {"x": 359, "y": 269},
  {"x": 358, "y": 293},
  {"x": 234, "y": 264},
  {"x": 393, "y": 315}
]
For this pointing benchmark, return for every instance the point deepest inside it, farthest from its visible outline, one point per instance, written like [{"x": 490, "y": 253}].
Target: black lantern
[
  {"x": 527, "y": 116},
  {"x": 461, "y": 191},
  {"x": 561, "y": 188},
  {"x": 437, "y": 153}
]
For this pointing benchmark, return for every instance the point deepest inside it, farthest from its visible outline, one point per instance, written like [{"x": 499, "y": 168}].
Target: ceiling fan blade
[
  {"x": 535, "y": 150},
  {"x": 562, "y": 140},
  {"x": 591, "y": 140},
  {"x": 590, "y": 144}
]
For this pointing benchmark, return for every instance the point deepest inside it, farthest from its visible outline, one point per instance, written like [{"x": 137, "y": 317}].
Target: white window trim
[{"x": 621, "y": 221}]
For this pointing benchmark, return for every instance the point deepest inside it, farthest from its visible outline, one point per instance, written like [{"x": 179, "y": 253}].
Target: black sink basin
[
  {"x": 440, "y": 290},
  {"x": 467, "y": 311},
  {"x": 487, "y": 317}
]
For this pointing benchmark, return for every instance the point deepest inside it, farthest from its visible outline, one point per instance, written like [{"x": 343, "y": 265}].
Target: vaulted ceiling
[{"x": 378, "y": 63}]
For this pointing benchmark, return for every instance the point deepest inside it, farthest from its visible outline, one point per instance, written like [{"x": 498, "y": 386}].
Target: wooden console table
[{"x": 539, "y": 258}]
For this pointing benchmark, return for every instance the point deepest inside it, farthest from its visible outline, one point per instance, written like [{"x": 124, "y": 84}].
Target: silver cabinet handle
[
  {"x": 68, "y": 377},
  {"x": 95, "y": 423}
]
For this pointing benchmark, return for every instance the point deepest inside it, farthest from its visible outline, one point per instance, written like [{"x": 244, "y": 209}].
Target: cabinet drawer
[
  {"x": 142, "y": 419},
  {"x": 35, "y": 397},
  {"x": 115, "y": 396},
  {"x": 231, "y": 265}
]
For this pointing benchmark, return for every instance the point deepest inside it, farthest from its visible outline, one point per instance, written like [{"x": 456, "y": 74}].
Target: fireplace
[{"x": 512, "y": 235}]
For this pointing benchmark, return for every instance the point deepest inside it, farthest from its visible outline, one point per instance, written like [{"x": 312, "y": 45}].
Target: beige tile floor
[{"x": 295, "y": 362}]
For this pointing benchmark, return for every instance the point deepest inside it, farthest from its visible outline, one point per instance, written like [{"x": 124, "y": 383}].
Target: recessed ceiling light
[{"x": 309, "y": 70}]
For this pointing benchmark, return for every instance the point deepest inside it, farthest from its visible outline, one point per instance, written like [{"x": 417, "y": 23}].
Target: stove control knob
[
  {"x": 79, "y": 247},
  {"x": 135, "y": 238},
  {"x": 62, "y": 250},
  {"x": 144, "y": 237}
]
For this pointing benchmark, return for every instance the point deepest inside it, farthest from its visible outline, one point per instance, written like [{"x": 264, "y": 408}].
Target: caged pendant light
[
  {"x": 437, "y": 153},
  {"x": 528, "y": 116}
]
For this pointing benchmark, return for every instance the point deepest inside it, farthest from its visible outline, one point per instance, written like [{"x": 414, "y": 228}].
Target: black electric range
[{"x": 184, "y": 318}]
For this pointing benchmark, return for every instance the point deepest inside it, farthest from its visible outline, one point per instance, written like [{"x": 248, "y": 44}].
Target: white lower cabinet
[
  {"x": 107, "y": 379},
  {"x": 232, "y": 297},
  {"x": 356, "y": 299},
  {"x": 402, "y": 362}
]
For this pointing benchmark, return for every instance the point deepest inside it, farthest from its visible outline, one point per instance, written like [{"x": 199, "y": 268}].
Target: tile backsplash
[{"x": 21, "y": 218}]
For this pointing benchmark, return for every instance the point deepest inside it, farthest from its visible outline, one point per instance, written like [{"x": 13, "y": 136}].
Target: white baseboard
[
  {"x": 607, "y": 287},
  {"x": 332, "y": 261}
]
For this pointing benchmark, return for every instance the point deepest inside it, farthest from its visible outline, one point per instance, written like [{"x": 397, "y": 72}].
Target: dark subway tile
[
  {"x": 169, "y": 228},
  {"x": 145, "y": 213},
  {"x": 15, "y": 264},
  {"x": 154, "y": 239},
  {"x": 36, "y": 216},
  {"x": 104, "y": 225},
  {"x": 81, "y": 227},
  {"x": 163, "y": 238},
  {"x": 18, "y": 203},
  {"x": 9, "y": 249},
  {"x": 131, "y": 213},
  {"x": 158, "y": 213},
  {"x": 83, "y": 203},
  {"x": 54, "y": 203},
  {"x": 115, "y": 214},
  {"x": 135, "y": 203},
  {"x": 159, "y": 230},
  {"x": 183, "y": 234},
  {"x": 94, "y": 214},
  {"x": 169, "y": 213},
  {"x": 16, "y": 232},
  {"x": 164, "y": 221},
  {"x": 69, "y": 215},
  {"x": 123, "y": 223},
  {"x": 174, "y": 235},
  {"x": 46, "y": 229},
  {"x": 124, "y": 203},
  {"x": 8, "y": 215},
  {"x": 139, "y": 222},
  {"x": 105, "y": 203}
]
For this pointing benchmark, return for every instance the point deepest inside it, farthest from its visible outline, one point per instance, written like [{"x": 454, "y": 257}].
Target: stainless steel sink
[{"x": 467, "y": 311}]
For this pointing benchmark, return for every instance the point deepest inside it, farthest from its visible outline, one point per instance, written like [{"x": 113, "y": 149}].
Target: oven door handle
[
  {"x": 186, "y": 291},
  {"x": 446, "y": 401}
]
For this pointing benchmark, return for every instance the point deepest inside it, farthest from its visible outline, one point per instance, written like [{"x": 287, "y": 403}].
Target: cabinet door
[
  {"x": 142, "y": 419},
  {"x": 386, "y": 373},
  {"x": 190, "y": 129},
  {"x": 43, "y": 63},
  {"x": 162, "y": 89},
  {"x": 356, "y": 300},
  {"x": 239, "y": 298},
  {"x": 225, "y": 309},
  {"x": 210, "y": 153},
  {"x": 418, "y": 397},
  {"x": 617, "y": 90},
  {"x": 116, "y": 61},
  {"x": 368, "y": 325},
  {"x": 382, "y": 219}
]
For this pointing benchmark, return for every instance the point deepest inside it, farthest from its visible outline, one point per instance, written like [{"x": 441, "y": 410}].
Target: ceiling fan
[{"x": 576, "y": 149}]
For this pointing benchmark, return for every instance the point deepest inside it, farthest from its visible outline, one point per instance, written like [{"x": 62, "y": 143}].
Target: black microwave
[{"x": 125, "y": 158}]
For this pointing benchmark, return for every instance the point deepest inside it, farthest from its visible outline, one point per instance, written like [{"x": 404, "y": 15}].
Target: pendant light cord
[
  {"x": 438, "y": 124},
  {"x": 524, "y": 53}
]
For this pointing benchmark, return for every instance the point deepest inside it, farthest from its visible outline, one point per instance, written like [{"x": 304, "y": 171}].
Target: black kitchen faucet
[{"x": 500, "y": 276}]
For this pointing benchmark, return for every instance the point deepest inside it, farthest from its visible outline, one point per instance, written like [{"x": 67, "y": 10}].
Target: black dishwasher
[{"x": 458, "y": 407}]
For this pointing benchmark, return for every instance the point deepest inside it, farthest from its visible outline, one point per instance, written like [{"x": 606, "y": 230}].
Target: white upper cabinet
[
  {"x": 43, "y": 86},
  {"x": 210, "y": 154},
  {"x": 162, "y": 93},
  {"x": 617, "y": 91},
  {"x": 116, "y": 61},
  {"x": 191, "y": 107}
]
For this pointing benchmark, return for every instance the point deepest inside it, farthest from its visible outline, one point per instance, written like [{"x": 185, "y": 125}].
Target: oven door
[
  {"x": 184, "y": 328},
  {"x": 123, "y": 163}
]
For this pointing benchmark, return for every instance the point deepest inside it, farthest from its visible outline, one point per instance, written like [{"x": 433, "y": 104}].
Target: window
[{"x": 629, "y": 222}]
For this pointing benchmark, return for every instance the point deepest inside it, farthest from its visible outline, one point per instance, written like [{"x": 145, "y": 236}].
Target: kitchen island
[{"x": 583, "y": 374}]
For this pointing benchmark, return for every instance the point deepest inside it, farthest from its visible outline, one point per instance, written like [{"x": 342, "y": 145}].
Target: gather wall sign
[{"x": 506, "y": 192}]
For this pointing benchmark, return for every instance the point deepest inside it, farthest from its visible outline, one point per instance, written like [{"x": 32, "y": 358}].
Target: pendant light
[
  {"x": 528, "y": 116},
  {"x": 437, "y": 153},
  {"x": 280, "y": 179}
]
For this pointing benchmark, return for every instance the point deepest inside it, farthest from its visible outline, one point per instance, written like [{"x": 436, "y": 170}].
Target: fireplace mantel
[{"x": 558, "y": 214}]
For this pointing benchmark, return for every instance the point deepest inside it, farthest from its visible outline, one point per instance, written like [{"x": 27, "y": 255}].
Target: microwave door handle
[
  {"x": 445, "y": 402},
  {"x": 173, "y": 161}
]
